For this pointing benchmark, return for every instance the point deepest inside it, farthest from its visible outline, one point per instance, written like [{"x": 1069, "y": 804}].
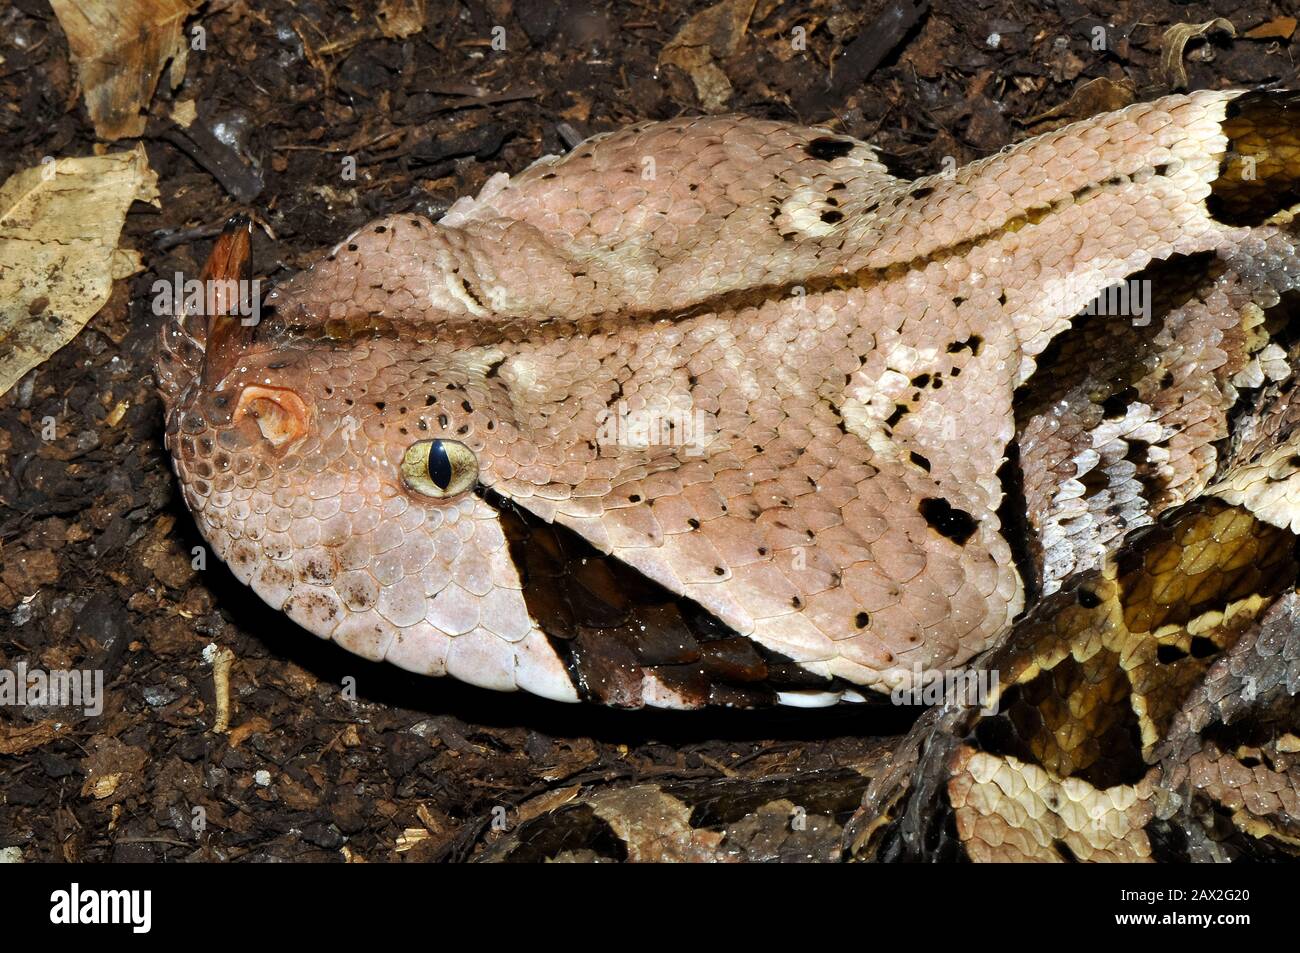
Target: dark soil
[{"x": 95, "y": 544}]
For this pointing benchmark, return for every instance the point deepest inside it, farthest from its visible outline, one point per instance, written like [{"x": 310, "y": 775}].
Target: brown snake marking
[{"x": 869, "y": 352}]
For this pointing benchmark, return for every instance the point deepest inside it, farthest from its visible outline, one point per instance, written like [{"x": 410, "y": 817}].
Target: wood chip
[{"x": 1278, "y": 28}]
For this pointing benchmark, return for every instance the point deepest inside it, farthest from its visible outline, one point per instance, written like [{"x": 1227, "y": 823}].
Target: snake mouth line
[{"x": 627, "y": 641}]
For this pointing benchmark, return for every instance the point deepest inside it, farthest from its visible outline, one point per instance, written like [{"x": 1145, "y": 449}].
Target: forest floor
[{"x": 95, "y": 544}]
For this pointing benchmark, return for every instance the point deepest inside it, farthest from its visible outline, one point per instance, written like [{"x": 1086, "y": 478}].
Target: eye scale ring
[{"x": 440, "y": 469}]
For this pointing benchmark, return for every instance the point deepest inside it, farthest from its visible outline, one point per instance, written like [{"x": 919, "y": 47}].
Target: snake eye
[{"x": 439, "y": 468}]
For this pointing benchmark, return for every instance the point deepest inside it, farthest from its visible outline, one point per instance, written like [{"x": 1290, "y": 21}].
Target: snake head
[{"x": 342, "y": 481}]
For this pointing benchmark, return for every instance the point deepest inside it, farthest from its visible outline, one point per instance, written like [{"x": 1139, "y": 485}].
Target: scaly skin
[{"x": 845, "y": 345}]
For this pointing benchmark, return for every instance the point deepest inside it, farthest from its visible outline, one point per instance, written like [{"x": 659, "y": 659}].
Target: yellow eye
[{"x": 439, "y": 468}]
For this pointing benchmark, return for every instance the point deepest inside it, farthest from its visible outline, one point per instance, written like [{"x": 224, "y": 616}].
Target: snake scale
[{"x": 717, "y": 411}]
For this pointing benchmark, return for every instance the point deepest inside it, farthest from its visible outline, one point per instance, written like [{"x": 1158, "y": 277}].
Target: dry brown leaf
[
  {"x": 1175, "y": 42},
  {"x": 16, "y": 739},
  {"x": 120, "y": 48},
  {"x": 1093, "y": 97},
  {"x": 59, "y": 227},
  {"x": 399, "y": 19},
  {"x": 1278, "y": 28},
  {"x": 545, "y": 803},
  {"x": 655, "y": 826},
  {"x": 711, "y": 34},
  {"x": 256, "y": 725}
]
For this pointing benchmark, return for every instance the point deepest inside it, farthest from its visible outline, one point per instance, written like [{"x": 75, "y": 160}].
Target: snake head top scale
[{"x": 717, "y": 410}]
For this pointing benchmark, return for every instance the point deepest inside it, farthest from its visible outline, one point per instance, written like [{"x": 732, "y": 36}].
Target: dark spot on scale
[
  {"x": 693, "y": 523},
  {"x": 380, "y": 229},
  {"x": 762, "y": 550},
  {"x": 443, "y": 421},
  {"x": 921, "y": 380},
  {"x": 923, "y": 192},
  {"x": 825, "y": 148},
  {"x": 352, "y": 246},
  {"x": 467, "y": 406},
  {"x": 634, "y": 498},
  {"x": 831, "y": 216},
  {"x": 862, "y": 620},
  {"x": 719, "y": 571},
  {"x": 462, "y": 429},
  {"x": 899, "y": 411},
  {"x": 1064, "y": 851},
  {"x": 920, "y": 461},
  {"x": 380, "y": 405},
  {"x": 1168, "y": 654},
  {"x": 1116, "y": 405},
  {"x": 946, "y": 520}
]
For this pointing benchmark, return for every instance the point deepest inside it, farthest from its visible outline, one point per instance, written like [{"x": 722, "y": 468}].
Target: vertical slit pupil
[{"x": 439, "y": 465}]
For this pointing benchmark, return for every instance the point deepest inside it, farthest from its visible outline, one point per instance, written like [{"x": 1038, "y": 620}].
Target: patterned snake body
[{"x": 717, "y": 411}]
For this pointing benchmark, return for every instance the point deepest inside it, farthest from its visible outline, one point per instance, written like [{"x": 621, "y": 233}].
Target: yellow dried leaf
[
  {"x": 409, "y": 838},
  {"x": 1175, "y": 42},
  {"x": 103, "y": 786},
  {"x": 59, "y": 228}
]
